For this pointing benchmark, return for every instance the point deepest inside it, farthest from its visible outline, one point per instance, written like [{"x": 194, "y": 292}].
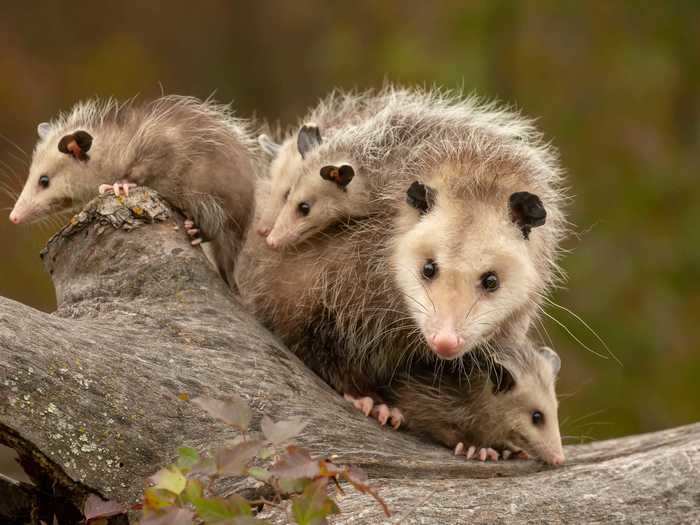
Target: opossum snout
[
  {"x": 557, "y": 459},
  {"x": 263, "y": 231},
  {"x": 14, "y": 218},
  {"x": 446, "y": 343}
]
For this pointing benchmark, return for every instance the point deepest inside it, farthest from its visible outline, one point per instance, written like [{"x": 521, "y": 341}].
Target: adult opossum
[
  {"x": 194, "y": 153},
  {"x": 465, "y": 263},
  {"x": 505, "y": 403}
]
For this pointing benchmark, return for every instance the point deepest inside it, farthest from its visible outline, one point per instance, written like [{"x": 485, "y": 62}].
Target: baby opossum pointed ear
[
  {"x": 43, "y": 129},
  {"x": 420, "y": 197},
  {"x": 527, "y": 211},
  {"x": 309, "y": 138},
  {"x": 553, "y": 358},
  {"x": 269, "y": 146},
  {"x": 76, "y": 144},
  {"x": 502, "y": 379},
  {"x": 340, "y": 175}
]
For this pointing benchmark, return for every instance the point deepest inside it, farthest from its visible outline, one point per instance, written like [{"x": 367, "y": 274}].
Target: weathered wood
[{"x": 90, "y": 395}]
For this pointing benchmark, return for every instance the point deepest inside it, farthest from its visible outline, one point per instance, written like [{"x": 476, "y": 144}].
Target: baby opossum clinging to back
[
  {"x": 194, "y": 153},
  {"x": 506, "y": 404}
]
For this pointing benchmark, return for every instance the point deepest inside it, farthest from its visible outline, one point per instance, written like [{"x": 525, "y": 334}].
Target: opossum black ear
[
  {"x": 501, "y": 378},
  {"x": 340, "y": 175},
  {"x": 553, "y": 358},
  {"x": 270, "y": 147},
  {"x": 309, "y": 138},
  {"x": 76, "y": 144},
  {"x": 43, "y": 129},
  {"x": 421, "y": 197},
  {"x": 527, "y": 211}
]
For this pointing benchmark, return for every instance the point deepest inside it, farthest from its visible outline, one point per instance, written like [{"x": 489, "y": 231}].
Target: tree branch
[{"x": 90, "y": 395}]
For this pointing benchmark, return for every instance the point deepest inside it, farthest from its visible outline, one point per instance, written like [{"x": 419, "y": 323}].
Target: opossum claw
[
  {"x": 506, "y": 454},
  {"x": 396, "y": 418},
  {"x": 193, "y": 232},
  {"x": 459, "y": 449},
  {"x": 381, "y": 412},
  {"x": 117, "y": 188},
  {"x": 104, "y": 188},
  {"x": 363, "y": 404},
  {"x": 471, "y": 452}
]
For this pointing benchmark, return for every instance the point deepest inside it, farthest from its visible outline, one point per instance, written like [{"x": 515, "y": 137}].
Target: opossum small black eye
[
  {"x": 430, "y": 269},
  {"x": 537, "y": 418},
  {"x": 490, "y": 282},
  {"x": 44, "y": 181},
  {"x": 304, "y": 208}
]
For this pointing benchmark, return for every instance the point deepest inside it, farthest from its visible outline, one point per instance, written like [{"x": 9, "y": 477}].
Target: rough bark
[{"x": 90, "y": 396}]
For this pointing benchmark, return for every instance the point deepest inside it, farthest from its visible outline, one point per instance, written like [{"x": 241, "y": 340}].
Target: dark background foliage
[{"x": 615, "y": 86}]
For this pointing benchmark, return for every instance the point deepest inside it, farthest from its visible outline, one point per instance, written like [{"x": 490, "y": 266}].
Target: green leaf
[
  {"x": 240, "y": 505},
  {"x": 235, "y": 412},
  {"x": 282, "y": 431},
  {"x": 193, "y": 490},
  {"x": 212, "y": 510},
  {"x": 233, "y": 461},
  {"x": 259, "y": 473},
  {"x": 154, "y": 498},
  {"x": 187, "y": 457},
  {"x": 171, "y": 516},
  {"x": 313, "y": 506},
  {"x": 266, "y": 453},
  {"x": 292, "y": 486},
  {"x": 170, "y": 479}
]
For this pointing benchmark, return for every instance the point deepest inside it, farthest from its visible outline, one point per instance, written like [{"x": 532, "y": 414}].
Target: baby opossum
[
  {"x": 291, "y": 158},
  {"x": 504, "y": 404},
  {"x": 194, "y": 153},
  {"x": 466, "y": 262}
]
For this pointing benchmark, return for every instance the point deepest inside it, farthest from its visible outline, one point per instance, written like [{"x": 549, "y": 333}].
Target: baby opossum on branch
[
  {"x": 505, "y": 404},
  {"x": 462, "y": 262},
  {"x": 194, "y": 153}
]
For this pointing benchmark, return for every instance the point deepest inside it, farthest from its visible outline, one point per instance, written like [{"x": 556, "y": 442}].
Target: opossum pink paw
[
  {"x": 117, "y": 188},
  {"x": 363, "y": 404},
  {"x": 193, "y": 232},
  {"x": 384, "y": 414},
  {"x": 482, "y": 454}
]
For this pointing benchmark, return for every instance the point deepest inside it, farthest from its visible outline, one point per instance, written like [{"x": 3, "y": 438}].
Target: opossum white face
[
  {"x": 60, "y": 166},
  {"x": 285, "y": 167},
  {"x": 524, "y": 412},
  {"x": 319, "y": 198},
  {"x": 465, "y": 268}
]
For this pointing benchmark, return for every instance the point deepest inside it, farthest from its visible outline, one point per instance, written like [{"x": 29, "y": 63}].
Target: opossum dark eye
[
  {"x": 537, "y": 418},
  {"x": 304, "y": 208},
  {"x": 489, "y": 281},
  {"x": 44, "y": 181},
  {"x": 430, "y": 269}
]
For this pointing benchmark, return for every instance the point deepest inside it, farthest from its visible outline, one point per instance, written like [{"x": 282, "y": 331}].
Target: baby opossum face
[
  {"x": 524, "y": 415},
  {"x": 318, "y": 198},
  {"x": 285, "y": 168},
  {"x": 466, "y": 272},
  {"x": 59, "y": 164}
]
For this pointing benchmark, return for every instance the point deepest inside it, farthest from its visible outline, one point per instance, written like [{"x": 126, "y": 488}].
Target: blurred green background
[{"x": 615, "y": 86}]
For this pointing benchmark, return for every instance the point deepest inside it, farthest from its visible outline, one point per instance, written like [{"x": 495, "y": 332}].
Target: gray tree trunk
[{"x": 90, "y": 398}]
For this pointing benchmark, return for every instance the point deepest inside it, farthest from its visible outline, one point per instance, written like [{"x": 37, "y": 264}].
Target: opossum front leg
[
  {"x": 378, "y": 410},
  {"x": 480, "y": 453},
  {"x": 118, "y": 188}
]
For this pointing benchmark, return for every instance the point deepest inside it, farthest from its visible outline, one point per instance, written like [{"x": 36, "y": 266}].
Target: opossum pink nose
[
  {"x": 446, "y": 343},
  {"x": 558, "y": 459},
  {"x": 263, "y": 232},
  {"x": 14, "y": 218}
]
